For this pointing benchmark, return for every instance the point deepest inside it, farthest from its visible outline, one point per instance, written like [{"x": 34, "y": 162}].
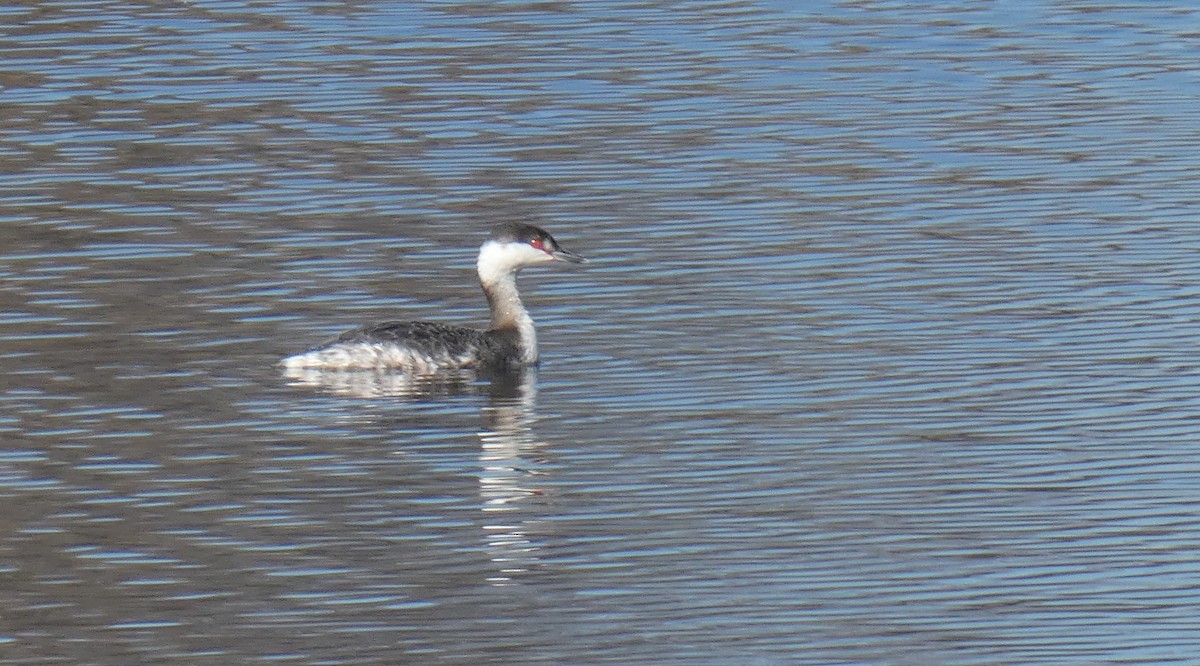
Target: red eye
[{"x": 537, "y": 242}]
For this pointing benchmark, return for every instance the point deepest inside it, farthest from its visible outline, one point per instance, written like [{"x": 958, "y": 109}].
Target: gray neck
[{"x": 508, "y": 313}]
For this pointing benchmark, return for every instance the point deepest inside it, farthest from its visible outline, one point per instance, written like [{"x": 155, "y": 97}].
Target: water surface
[{"x": 884, "y": 353}]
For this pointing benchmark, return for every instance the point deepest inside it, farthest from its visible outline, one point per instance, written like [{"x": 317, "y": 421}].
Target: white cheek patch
[{"x": 497, "y": 260}]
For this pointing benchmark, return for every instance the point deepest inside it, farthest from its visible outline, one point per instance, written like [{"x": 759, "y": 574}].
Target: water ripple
[{"x": 883, "y": 353}]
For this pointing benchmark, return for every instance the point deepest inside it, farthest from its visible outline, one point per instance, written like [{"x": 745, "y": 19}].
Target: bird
[{"x": 423, "y": 347}]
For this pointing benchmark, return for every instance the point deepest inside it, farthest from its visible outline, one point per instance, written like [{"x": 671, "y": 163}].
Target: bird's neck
[{"x": 508, "y": 313}]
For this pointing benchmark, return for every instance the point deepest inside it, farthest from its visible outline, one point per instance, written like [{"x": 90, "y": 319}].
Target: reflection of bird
[
  {"x": 422, "y": 347},
  {"x": 513, "y": 465}
]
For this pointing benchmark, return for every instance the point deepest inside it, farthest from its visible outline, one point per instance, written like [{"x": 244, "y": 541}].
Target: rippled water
[{"x": 885, "y": 353}]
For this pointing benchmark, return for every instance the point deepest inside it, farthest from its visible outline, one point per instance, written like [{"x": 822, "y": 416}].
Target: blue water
[{"x": 884, "y": 353}]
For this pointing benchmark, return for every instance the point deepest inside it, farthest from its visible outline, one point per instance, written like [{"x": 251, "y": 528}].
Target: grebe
[{"x": 421, "y": 347}]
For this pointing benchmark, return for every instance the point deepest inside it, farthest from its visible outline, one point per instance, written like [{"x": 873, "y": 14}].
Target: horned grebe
[{"x": 422, "y": 347}]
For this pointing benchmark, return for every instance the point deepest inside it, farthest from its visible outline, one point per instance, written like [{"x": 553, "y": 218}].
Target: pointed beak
[{"x": 566, "y": 255}]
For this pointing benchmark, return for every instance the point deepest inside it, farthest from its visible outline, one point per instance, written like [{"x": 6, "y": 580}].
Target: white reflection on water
[
  {"x": 508, "y": 469},
  {"x": 507, "y": 479}
]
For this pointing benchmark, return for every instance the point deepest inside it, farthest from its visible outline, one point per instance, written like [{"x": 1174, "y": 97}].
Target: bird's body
[{"x": 421, "y": 347}]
